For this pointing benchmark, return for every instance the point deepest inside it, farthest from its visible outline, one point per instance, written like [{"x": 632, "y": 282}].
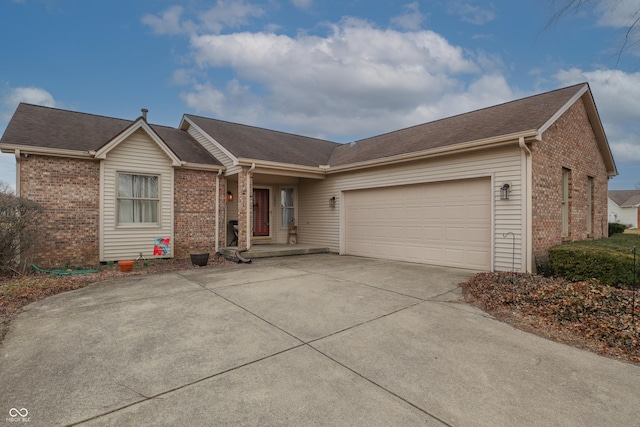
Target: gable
[{"x": 138, "y": 127}]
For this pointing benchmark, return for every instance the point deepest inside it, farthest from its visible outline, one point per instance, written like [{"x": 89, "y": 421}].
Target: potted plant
[
  {"x": 200, "y": 258},
  {"x": 125, "y": 265}
]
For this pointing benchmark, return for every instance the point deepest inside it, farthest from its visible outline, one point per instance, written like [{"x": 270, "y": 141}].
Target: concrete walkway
[{"x": 308, "y": 340}]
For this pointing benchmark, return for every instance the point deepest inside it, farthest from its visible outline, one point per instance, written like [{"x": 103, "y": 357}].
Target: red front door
[{"x": 260, "y": 211}]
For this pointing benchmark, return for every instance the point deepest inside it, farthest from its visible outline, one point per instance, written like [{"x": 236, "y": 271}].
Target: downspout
[
  {"x": 248, "y": 205},
  {"x": 217, "y": 245},
  {"x": 17, "y": 153},
  {"x": 528, "y": 221}
]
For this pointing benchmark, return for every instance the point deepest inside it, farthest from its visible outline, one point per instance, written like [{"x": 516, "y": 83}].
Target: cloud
[
  {"x": 30, "y": 95},
  {"x": 224, "y": 14},
  {"x": 618, "y": 14},
  {"x": 359, "y": 78},
  {"x": 411, "y": 19},
  {"x": 302, "y": 4},
  {"x": 468, "y": 12},
  {"x": 617, "y": 96},
  {"x": 169, "y": 22}
]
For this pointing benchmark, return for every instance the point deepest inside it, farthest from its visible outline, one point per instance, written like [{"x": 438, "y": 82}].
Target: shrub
[
  {"x": 18, "y": 229},
  {"x": 609, "y": 260},
  {"x": 615, "y": 228}
]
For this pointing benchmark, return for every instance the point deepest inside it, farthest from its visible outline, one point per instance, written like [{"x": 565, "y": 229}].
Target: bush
[
  {"x": 615, "y": 228},
  {"x": 18, "y": 229},
  {"x": 609, "y": 260}
]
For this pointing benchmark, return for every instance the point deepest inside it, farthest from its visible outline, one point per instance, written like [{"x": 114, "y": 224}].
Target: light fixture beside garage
[
  {"x": 504, "y": 191},
  {"x": 332, "y": 202},
  {"x": 229, "y": 196}
]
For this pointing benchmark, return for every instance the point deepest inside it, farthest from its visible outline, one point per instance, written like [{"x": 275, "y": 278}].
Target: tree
[
  {"x": 627, "y": 9},
  {"x": 18, "y": 229}
]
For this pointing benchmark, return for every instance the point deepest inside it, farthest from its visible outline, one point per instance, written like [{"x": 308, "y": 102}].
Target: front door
[{"x": 260, "y": 212}]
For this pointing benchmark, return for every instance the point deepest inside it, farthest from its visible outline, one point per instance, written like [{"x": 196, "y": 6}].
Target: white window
[
  {"x": 138, "y": 199},
  {"x": 287, "y": 205}
]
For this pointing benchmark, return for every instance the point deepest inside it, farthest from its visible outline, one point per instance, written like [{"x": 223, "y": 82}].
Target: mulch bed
[
  {"x": 582, "y": 314},
  {"x": 17, "y": 291}
]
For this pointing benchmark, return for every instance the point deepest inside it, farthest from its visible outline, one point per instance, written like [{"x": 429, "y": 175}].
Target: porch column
[
  {"x": 221, "y": 212},
  {"x": 245, "y": 207}
]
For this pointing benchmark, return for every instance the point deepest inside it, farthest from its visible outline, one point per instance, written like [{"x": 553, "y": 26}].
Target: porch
[{"x": 275, "y": 250}]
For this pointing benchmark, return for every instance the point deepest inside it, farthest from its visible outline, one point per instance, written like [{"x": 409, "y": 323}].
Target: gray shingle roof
[
  {"x": 53, "y": 128},
  {"x": 512, "y": 117},
  {"x": 263, "y": 144},
  {"x": 37, "y": 126},
  {"x": 625, "y": 198}
]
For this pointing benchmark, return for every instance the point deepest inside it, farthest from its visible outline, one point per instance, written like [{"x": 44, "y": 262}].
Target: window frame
[
  {"x": 565, "y": 202},
  {"x": 284, "y": 207},
  {"x": 157, "y": 200},
  {"x": 590, "y": 207}
]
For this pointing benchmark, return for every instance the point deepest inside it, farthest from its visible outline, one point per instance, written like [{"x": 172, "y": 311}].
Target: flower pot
[
  {"x": 126, "y": 265},
  {"x": 200, "y": 259}
]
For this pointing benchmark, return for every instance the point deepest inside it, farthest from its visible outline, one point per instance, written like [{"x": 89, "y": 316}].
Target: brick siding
[
  {"x": 194, "y": 213},
  {"x": 569, "y": 143},
  {"x": 68, "y": 190}
]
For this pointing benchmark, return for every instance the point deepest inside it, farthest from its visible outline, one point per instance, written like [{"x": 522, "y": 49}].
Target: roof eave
[
  {"x": 436, "y": 152},
  {"x": 290, "y": 169},
  {"x": 202, "y": 166},
  {"x": 45, "y": 151}
]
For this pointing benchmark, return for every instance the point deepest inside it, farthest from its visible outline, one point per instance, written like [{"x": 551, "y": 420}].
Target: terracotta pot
[
  {"x": 200, "y": 259},
  {"x": 126, "y": 265}
]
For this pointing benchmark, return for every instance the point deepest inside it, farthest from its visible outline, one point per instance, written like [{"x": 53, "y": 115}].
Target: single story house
[
  {"x": 491, "y": 189},
  {"x": 624, "y": 207}
]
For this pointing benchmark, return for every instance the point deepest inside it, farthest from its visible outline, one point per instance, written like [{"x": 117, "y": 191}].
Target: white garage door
[{"x": 445, "y": 223}]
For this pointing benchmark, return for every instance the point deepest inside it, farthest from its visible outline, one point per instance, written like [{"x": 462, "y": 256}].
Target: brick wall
[
  {"x": 194, "y": 213},
  {"x": 570, "y": 143},
  {"x": 68, "y": 189}
]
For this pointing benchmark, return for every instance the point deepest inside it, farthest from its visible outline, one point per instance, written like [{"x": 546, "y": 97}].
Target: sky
[{"x": 337, "y": 70}]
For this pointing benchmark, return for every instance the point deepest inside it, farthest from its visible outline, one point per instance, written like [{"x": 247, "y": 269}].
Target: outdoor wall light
[
  {"x": 229, "y": 196},
  {"x": 332, "y": 202},
  {"x": 504, "y": 192}
]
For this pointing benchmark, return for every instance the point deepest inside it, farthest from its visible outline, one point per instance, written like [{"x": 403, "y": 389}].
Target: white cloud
[
  {"x": 358, "y": 78},
  {"x": 224, "y": 14},
  {"x": 471, "y": 13},
  {"x": 169, "y": 22},
  {"x": 30, "y": 95},
  {"x": 618, "y": 14},
  {"x": 10, "y": 101},
  {"x": 411, "y": 19},
  {"x": 617, "y": 96},
  {"x": 302, "y": 4}
]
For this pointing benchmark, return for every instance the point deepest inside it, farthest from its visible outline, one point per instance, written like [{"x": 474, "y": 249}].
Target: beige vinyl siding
[
  {"x": 138, "y": 154},
  {"x": 210, "y": 147},
  {"x": 320, "y": 224}
]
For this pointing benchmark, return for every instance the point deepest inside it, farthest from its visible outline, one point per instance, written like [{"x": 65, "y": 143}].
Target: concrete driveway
[{"x": 308, "y": 340}]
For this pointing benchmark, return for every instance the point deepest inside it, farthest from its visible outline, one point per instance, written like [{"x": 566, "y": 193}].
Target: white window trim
[
  {"x": 295, "y": 205},
  {"x": 158, "y": 222}
]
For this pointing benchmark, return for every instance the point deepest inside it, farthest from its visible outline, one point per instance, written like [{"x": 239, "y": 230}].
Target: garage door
[{"x": 445, "y": 223}]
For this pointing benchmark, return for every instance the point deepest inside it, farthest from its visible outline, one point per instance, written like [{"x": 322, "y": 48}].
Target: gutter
[
  {"x": 421, "y": 155},
  {"x": 56, "y": 152}
]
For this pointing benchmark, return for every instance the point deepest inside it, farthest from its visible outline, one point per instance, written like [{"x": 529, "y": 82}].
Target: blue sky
[{"x": 340, "y": 70}]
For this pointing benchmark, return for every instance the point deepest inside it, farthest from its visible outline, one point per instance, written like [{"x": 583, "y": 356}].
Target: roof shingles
[
  {"x": 45, "y": 127},
  {"x": 52, "y": 128}
]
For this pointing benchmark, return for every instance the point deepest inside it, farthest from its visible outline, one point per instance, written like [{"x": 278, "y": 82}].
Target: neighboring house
[
  {"x": 624, "y": 207},
  {"x": 492, "y": 189}
]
